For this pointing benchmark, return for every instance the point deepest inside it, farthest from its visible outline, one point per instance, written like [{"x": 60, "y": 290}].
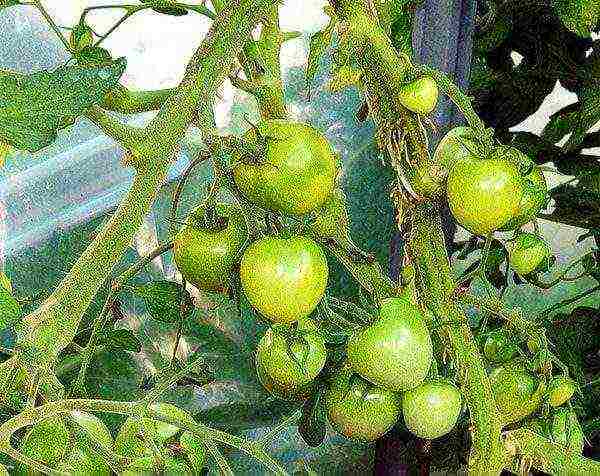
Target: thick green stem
[
  {"x": 120, "y": 99},
  {"x": 436, "y": 291},
  {"x": 384, "y": 71}
]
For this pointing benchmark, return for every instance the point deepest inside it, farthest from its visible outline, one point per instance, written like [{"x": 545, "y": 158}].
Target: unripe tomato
[
  {"x": 297, "y": 173},
  {"x": 51, "y": 443},
  {"x": 484, "y": 194},
  {"x": 560, "y": 390},
  {"x": 566, "y": 430},
  {"x": 205, "y": 256},
  {"x": 535, "y": 195},
  {"x": 527, "y": 253},
  {"x": 431, "y": 409},
  {"x": 419, "y": 96},
  {"x": 128, "y": 443},
  {"x": 395, "y": 351},
  {"x": 516, "y": 392},
  {"x": 499, "y": 346},
  {"x": 458, "y": 144},
  {"x": 360, "y": 410},
  {"x": 287, "y": 363},
  {"x": 284, "y": 278}
]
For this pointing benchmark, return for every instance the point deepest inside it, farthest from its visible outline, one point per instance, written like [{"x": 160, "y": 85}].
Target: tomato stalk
[
  {"x": 384, "y": 72},
  {"x": 131, "y": 409},
  {"x": 52, "y": 327}
]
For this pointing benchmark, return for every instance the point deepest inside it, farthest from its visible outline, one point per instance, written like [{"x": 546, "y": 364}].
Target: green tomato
[
  {"x": 533, "y": 200},
  {"x": 431, "y": 409},
  {"x": 499, "y": 346},
  {"x": 566, "y": 430},
  {"x": 527, "y": 253},
  {"x": 517, "y": 393},
  {"x": 458, "y": 144},
  {"x": 297, "y": 173},
  {"x": 394, "y": 352},
  {"x": 194, "y": 450},
  {"x": 206, "y": 256},
  {"x": 284, "y": 278},
  {"x": 419, "y": 96},
  {"x": 560, "y": 390},
  {"x": 484, "y": 194},
  {"x": 287, "y": 363},
  {"x": 360, "y": 410},
  {"x": 130, "y": 439},
  {"x": 147, "y": 465}
]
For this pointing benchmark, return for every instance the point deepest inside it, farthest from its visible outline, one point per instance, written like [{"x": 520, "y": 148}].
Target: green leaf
[
  {"x": 313, "y": 422},
  {"x": 123, "y": 339},
  {"x": 588, "y": 116},
  {"x": 8, "y": 3},
  {"x": 10, "y": 310},
  {"x": 34, "y": 107},
  {"x": 575, "y": 206},
  {"x": 163, "y": 300},
  {"x": 93, "y": 56},
  {"x": 245, "y": 415},
  {"x": 319, "y": 42},
  {"x": 579, "y": 16},
  {"x": 166, "y": 7}
]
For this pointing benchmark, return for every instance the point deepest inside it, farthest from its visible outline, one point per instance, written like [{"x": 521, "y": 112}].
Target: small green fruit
[
  {"x": 420, "y": 96},
  {"x": 527, "y": 253},
  {"x": 560, "y": 390}
]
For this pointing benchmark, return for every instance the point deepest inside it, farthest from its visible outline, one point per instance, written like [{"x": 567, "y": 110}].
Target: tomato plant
[{"x": 276, "y": 254}]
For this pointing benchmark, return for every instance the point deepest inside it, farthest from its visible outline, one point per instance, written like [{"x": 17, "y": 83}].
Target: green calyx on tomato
[
  {"x": 81, "y": 37},
  {"x": 51, "y": 442},
  {"x": 395, "y": 351},
  {"x": 499, "y": 346},
  {"x": 560, "y": 390},
  {"x": 284, "y": 278},
  {"x": 420, "y": 95},
  {"x": 296, "y": 173},
  {"x": 527, "y": 253},
  {"x": 288, "y": 360},
  {"x": 566, "y": 431},
  {"x": 484, "y": 194},
  {"x": 431, "y": 409},
  {"x": 458, "y": 144},
  {"x": 205, "y": 253},
  {"x": 359, "y": 410},
  {"x": 517, "y": 393}
]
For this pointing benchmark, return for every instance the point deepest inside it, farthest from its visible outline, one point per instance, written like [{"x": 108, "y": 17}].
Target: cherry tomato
[
  {"x": 499, "y": 346},
  {"x": 205, "y": 256},
  {"x": 484, "y": 194},
  {"x": 394, "y": 352},
  {"x": 284, "y": 278},
  {"x": 431, "y": 409},
  {"x": 287, "y": 360},
  {"x": 419, "y": 96},
  {"x": 360, "y": 410},
  {"x": 560, "y": 390},
  {"x": 527, "y": 253},
  {"x": 297, "y": 173},
  {"x": 517, "y": 392}
]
